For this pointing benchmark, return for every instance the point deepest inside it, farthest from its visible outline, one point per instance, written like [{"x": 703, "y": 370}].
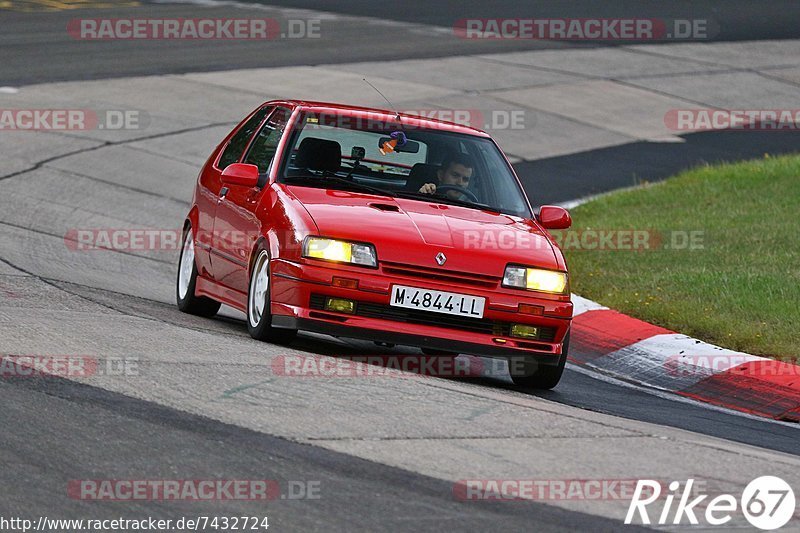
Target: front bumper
[{"x": 295, "y": 285}]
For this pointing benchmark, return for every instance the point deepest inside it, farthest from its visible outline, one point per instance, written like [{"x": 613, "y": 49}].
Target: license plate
[{"x": 448, "y": 303}]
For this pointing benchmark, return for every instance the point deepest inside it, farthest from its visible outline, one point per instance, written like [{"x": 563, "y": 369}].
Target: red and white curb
[{"x": 638, "y": 352}]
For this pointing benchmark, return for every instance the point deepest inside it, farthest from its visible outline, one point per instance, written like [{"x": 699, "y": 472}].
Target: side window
[
  {"x": 266, "y": 142},
  {"x": 500, "y": 193},
  {"x": 233, "y": 152}
]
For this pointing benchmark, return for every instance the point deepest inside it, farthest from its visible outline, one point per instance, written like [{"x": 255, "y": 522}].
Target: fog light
[
  {"x": 523, "y": 330},
  {"x": 340, "y": 305}
]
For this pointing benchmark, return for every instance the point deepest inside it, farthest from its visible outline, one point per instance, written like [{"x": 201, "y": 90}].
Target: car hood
[{"x": 412, "y": 232}]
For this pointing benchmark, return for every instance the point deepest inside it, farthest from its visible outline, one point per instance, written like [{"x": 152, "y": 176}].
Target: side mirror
[
  {"x": 242, "y": 174},
  {"x": 554, "y": 217}
]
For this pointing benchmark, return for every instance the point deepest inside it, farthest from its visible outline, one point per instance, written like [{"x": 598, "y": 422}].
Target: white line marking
[{"x": 581, "y": 305}]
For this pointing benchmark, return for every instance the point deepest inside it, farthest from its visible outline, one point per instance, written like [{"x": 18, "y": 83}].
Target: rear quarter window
[{"x": 233, "y": 152}]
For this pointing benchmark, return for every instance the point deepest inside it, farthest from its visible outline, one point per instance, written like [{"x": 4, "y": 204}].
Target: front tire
[
  {"x": 187, "y": 280},
  {"x": 259, "y": 317},
  {"x": 531, "y": 374}
]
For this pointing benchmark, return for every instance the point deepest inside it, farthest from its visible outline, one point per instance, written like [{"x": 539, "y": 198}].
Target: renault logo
[{"x": 441, "y": 258}]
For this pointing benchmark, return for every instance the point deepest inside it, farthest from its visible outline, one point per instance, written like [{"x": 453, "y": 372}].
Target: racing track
[
  {"x": 35, "y": 48},
  {"x": 204, "y": 403}
]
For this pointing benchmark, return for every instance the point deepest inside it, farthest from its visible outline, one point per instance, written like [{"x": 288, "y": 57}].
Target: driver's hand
[{"x": 428, "y": 188}]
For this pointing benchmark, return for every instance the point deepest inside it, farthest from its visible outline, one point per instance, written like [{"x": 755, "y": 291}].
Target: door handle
[{"x": 223, "y": 192}]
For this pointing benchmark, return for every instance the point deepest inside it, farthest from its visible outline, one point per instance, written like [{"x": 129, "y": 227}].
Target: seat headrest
[
  {"x": 319, "y": 154},
  {"x": 421, "y": 173}
]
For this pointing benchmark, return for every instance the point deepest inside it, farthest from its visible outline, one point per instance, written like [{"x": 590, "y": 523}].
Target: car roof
[{"x": 414, "y": 121}]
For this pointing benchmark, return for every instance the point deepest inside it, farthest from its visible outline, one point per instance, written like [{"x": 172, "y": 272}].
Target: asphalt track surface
[
  {"x": 63, "y": 430},
  {"x": 136, "y": 440},
  {"x": 35, "y": 46},
  {"x": 563, "y": 178},
  {"x": 736, "y": 20}
]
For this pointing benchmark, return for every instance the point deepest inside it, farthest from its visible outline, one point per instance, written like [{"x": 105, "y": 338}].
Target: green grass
[{"x": 741, "y": 290}]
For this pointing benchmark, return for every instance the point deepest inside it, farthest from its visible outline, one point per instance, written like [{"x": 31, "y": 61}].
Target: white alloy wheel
[
  {"x": 187, "y": 264},
  {"x": 259, "y": 286}
]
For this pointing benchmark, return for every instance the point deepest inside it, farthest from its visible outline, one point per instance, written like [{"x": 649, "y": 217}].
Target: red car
[{"x": 376, "y": 225}]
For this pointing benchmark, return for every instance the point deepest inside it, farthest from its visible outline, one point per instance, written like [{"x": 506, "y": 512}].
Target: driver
[{"x": 456, "y": 170}]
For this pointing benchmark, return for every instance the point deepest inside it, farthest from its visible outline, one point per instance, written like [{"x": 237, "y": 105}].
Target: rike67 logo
[{"x": 768, "y": 503}]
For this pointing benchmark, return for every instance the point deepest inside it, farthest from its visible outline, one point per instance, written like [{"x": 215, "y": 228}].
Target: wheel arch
[
  {"x": 266, "y": 242},
  {"x": 193, "y": 218}
]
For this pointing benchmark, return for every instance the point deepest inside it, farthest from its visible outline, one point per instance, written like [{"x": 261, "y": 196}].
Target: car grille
[
  {"x": 447, "y": 276},
  {"x": 427, "y": 318}
]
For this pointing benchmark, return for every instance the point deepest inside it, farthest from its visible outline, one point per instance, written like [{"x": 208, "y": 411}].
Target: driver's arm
[{"x": 428, "y": 188}]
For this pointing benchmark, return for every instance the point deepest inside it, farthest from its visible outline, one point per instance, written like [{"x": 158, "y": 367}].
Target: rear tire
[
  {"x": 187, "y": 280},
  {"x": 259, "y": 317},
  {"x": 538, "y": 376}
]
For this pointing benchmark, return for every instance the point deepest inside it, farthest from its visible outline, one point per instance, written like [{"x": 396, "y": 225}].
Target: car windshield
[{"x": 344, "y": 152}]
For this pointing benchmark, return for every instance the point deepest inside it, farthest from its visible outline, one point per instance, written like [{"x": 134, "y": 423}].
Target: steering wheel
[{"x": 465, "y": 192}]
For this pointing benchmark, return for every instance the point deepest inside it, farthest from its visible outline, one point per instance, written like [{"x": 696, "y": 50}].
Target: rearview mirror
[
  {"x": 242, "y": 174},
  {"x": 410, "y": 147},
  {"x": 554, "y": 217}
]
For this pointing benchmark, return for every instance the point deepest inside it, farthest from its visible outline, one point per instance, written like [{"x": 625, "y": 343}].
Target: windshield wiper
[
  {"x": 341, "y": 181},
  {"x": 447, "y": 200}
]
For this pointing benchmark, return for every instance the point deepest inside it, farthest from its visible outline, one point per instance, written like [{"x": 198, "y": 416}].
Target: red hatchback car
[{"x": 375, "y": 225}]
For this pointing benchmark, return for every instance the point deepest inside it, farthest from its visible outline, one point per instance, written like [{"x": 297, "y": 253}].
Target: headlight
[
  {"x": 536, "y": 279},
  {"x": 340, "y": 251}
]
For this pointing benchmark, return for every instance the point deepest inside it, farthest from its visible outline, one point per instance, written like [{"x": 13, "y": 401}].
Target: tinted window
[
  {"x": 266, "y": 142},
  {"x": 233, "y": 152}
]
